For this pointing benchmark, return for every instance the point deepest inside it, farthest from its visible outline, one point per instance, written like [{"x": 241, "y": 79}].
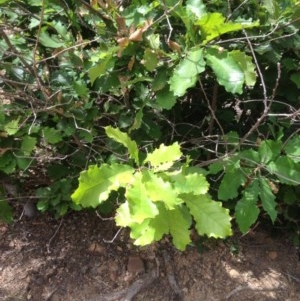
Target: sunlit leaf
[
  {"x": 196, "y": 7},
  {"x": 186, "y": 73},
  {"x": 269, "y": 150},
  {"x": 140, "y": 204},
  {"x": 175, "y": 222},
  {"x": 213, "y": 25},
  {"x": 12, "y": 127},
  {"x": 228, "y": 72},
  {"x": 159, "y": 190},
  {"x": 96, "y": 183},
  {"x": 247, "y": 66},
  {"x": 164, "y": 157},
  {"x": 211, "y": 218},
  {"x": 191, "y": 183}
]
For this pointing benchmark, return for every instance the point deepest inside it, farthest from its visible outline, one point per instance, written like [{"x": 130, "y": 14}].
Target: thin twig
[
  {"x": 113, "y": 239},
  {"x": 53, "y": 236},
  {"x": 236, "y": 290},
  {"x": 258, "y": 69}
]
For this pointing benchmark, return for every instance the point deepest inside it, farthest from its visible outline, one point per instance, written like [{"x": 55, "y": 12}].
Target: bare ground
[{"x": 70, "y": 259}]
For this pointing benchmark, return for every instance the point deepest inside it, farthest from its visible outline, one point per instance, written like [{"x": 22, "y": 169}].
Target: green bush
[{"x": 219, "y": 78}]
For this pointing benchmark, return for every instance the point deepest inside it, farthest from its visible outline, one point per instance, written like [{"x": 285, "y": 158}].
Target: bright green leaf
[
  {"x": 186, "y": 73},
  {"x": 159, "y": 190},
  {"x": 142, "y": 233},
  {"x": 191, "y": 183},
  {"x": 96, "y": 183},
  {"x": 179, "y": 221},
  {"x": 226, "y": 69},
  {"x": 154, "y": 41},
  {"x": 246, "y": 65},
  {"x": 176, "y": 222},
  {"x": 164, "y": 157},
  {"x": 211, "y": 218},
  {"x": 213, "y": 25},
  {"x": 12, "y": 127},
  {"x": 140, "y": 204},
  {"x": 60, "y": 28}
]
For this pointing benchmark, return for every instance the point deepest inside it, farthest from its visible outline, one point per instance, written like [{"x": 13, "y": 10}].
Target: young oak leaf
[
  {"x": 159, "y": 190},
  {"x": 140, "y": 204},
  {"x": 164, "y": 157},
  {"x": 175, "y": 222},
  {"x": 191, "y": 183},
  {"x": 96, "y": 183},
  {"x": 211, "y": 218}
]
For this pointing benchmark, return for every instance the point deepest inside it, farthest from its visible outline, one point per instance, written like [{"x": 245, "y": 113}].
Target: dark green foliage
[{"x": 221, "y": 78}]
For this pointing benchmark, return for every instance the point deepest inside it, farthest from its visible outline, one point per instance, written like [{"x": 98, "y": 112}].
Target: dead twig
[
  {"x": 236, "y": 290},
  {"x": 129, "y": 293},
  {"x": 53, "y": 236}
]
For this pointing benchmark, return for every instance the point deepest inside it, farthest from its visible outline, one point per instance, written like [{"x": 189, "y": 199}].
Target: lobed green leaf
[
  {"x": 164, "y": 157},
  {"x": 96, "y": 183},
  {"x": 211, "y": 218}
]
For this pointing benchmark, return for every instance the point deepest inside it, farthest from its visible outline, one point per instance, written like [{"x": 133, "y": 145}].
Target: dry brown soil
[{"x": 70, "y": 259}]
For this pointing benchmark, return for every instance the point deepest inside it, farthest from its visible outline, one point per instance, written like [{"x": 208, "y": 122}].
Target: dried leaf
[
  {"x": 137, "y": 35},
  {"x": 121, "y": 26},
  {"x": 131, "y": 63}
]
